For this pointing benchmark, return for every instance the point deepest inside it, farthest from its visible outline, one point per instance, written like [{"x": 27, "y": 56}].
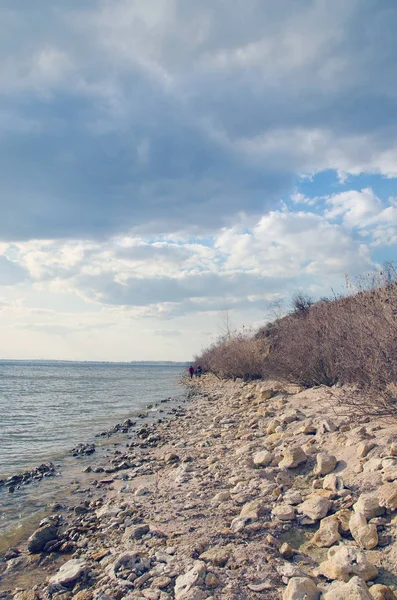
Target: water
[{"x": 46, "y": 408}]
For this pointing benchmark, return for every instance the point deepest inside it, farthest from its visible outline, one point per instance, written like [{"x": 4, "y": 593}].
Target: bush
[{"x": 232, "y": 356}]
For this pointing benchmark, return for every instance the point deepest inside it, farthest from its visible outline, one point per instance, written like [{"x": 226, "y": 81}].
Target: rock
[
  {"x": 333, "y": 483},
  {"x": 343, "y": 517},
  {"x": 343, "y": 562},
  {"x": 328, "y": 534},
  {"x": 193, "y": 578},
  {"x": 355, "y": 589},
  {"x": 267, "y": 394},
  {"x": 221, "y": 497},
  {"x": 292, "y": 458},
  {"x": 25, "y": 595},
  {"x": 286, "y": 551},
  {"x": 325, "y": 464},
  {"x": 379, "y": 592},
  {"x": 363, "y": 448},
  {"x": 211, "y": 580},
  {"x": 393, "y": 449},
  {"x": 216, "y": 556},
  {"x": 133, "y": 562},
  {"x": 289, "y": 570},
  {"x": 284, "y": 512},
  {"x": 239, "y": 523},
  {"x": 365, "y": 535},
  {"x": 292, "y": 497},
  {"x": 301, "y": 588},
  {"x": 69, "y": 573},
  {"x": 136, "y": 532},
  {"x": 387, "y": 495},
  {"x": 160, "y": 582},
  {"x": 41, "y": 537},
  {"x": 368, "y": 504},
  {"x": 254, "y": 509},
  {"x": 315, "y": 507},
  {"x": 272, "y": 426},
  {"x": 263, "y": 458}
]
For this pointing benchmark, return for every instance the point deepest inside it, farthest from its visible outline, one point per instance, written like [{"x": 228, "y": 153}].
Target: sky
[{"x": 163, "y": 162}]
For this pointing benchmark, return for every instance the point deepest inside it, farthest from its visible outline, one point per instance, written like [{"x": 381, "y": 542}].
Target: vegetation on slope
[{"x": 349, "y": 339}]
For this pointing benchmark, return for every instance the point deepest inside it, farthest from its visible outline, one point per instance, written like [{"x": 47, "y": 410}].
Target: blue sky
[{"x": 167, "y": 160}]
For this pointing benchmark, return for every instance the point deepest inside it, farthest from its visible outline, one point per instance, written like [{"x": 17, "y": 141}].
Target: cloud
[{"x": 178, "y": 116}]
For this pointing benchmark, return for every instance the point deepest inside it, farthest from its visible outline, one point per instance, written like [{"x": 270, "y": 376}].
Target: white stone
[
  {"x": 263, "y": 458},
  {"x": 284, "y": 512},
  {"x": 368, "y": 504},
  {"x": 328, "y": 534},
  {"x": 355, "y": 589},
  {"x": 343, "y": 562},
  {"x": 194, "y": 577},
  {"x": 292, "y": 458},
  {"x": 301, "y": 588},
  {"x": 70, "y": 572},
  {"x": 387, "y": 495},
  {"x": 315, "y": 508},
  {"x": 365, "y": 535},
  {"x": 325, "y": 464}
]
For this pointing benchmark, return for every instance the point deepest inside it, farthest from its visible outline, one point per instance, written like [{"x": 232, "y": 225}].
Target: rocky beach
[{"x": 250, "y": 490}]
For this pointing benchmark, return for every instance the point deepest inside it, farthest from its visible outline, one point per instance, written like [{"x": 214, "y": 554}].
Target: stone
[
  {"x": 368, "y": 504},
  {"x": 333, "y": 483},
  {"x": 239, "y": 523},
  {"x": 365, "y": 535},
  {"x": 134, "y": 562},
  {"x": 393, "y": 449},
  {"x": 286, "y": 551},
  {"x": 301, "y": 588},
  {"x": 136, "y": 532},
  {"x": 379, "y": 592},
  {"x": 292, "y": 458},
  {"x": 315, "y": 508},
  {"x": 25, "y": 595},
  {"x": 216, "y": 556},
  {"x": 387, "y": 495},
  {"x": 363, "y": 448},
  {"x": 211, "y": 580},
  {"x": 267, "y": 394},
  {"x": 284, "y": 512},
  {"x": 254, "y": 509},
  {"x": 262, "y": 459},
  {"x": 343, "y": 562},
  {"x": 292, "y": 497},
  {"x": 325, "y": 464},
  {"x": 272, "y": 426},
  {"x": 193, "y": 578},
  {"x": 161, "y": 582},
  {"x": 355, "y": 589},
  {"x": 41, "y": 537},
  {"x": 328, "y": 534},
  {"x": 221, "y": 497},
  {"x": 69, "y": 573}
]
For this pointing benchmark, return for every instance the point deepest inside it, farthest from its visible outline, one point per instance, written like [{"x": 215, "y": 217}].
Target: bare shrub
[
  {"x": 301, "y": 302},
  {"x": 232, "y": 356}
]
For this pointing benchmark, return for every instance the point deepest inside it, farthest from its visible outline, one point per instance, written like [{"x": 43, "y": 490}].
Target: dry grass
[{"x": 351, "y": 339}]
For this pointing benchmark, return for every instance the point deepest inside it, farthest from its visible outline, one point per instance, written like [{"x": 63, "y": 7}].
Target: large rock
[
  {"x": 185, "y": 584},
  {"x": 328, "y": 534},
  {"x": 216, "y": 556},
  {"x": 363, "y": 448},
  {"x": 365, "y": 535},
  {"x": 315, "y": 507},
  {"x": 301, "y": 588},
  {"x": 292, "y": 458},
  {"x": 387, "y": 495},
  {"x": 355, "y": 589},
  {"x": 325, "y": 464},
  {"x": 333, "y": 483},
  {"x": 133, "y": 562},
  {"x": 136, "y": 532},
  {"x": 368, "y": 504},
  {"x": 284, "y": 512},
  {"x": 379, "y": 592},
  {"x": 69, "y": 573},
  {"x": 343, "y": 562},
  {"x": 263, "y": 458},
  {"x": 254, "y": 509},
  {"x": 41, "y": 537}
]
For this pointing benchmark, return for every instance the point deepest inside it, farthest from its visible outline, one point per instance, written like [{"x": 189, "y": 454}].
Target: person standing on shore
[
  {"x": 198, "y": 371},
  {"x": 191, "y": 371}
]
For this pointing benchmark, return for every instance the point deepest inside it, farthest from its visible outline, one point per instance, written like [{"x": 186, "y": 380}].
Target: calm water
[{"x": 46, "y": 408}]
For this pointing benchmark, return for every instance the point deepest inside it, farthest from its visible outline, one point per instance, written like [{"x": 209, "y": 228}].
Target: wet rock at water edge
[{"x": 83, "y": 450}]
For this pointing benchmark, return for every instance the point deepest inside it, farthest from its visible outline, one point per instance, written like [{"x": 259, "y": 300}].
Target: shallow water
[{"x": 47, "y": 408}]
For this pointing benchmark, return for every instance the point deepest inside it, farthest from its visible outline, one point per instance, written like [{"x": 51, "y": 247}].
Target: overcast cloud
[{"x": 165, "y": 160}]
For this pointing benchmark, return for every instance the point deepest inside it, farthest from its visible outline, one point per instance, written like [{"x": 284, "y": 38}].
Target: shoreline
[{"x": 249, "y": 488}]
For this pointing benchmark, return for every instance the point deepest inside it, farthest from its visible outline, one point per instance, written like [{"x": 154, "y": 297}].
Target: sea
[{"x": 49, "y": 407}]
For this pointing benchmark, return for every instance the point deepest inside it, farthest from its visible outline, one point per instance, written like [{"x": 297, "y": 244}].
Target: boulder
[
  {"x": 328, "y": 534},
  {"x": 379, "y": 592},
  {"x": 343, "y": 562},
  {"x": 355, "y": 589},
  {"x": 186, "y": 583},
  {"x": 368, "y": 504},
  {"x": 301, "y": 588},
  {"x": 136, "y": 532},
  {"x": 272, "y": 426},
  {"x": 325, "y": 464},
  {"x": 365, "y": 535},
  {"x": 254, "y": 509},
  {"x": 69, "y": 573},
  {"x": 387, "y": 495},
  {"x": 315, "y": 507},
  {"x": 41, "y": 537},
  {"x": 333, "y": 483},
  {"x": 292, "y": 458},
  {"x": 363, "y": 448},
  {"x": 216, "y": 556},
  {"x": 263, "y": 458},
  {"x": 284, "y": 512},
  {"x": 221, "y": 497}
]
